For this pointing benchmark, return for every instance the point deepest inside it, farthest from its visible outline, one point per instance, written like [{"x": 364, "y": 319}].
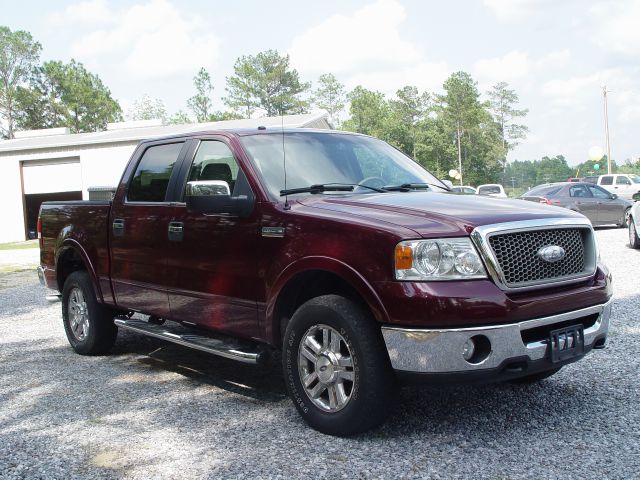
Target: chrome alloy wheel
[
  {"x": 78, "y": 314},
  {"x": 325, "y": 366}
]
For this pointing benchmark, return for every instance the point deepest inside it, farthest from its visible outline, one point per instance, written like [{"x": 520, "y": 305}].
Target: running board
[{"x": 227, "y": 348}]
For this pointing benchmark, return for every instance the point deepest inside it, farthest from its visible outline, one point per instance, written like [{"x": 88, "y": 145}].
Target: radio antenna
[{"x": 284, "y": 162}]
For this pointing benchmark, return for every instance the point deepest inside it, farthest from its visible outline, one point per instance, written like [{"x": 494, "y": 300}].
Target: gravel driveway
[{"x": 156, "y": 410}]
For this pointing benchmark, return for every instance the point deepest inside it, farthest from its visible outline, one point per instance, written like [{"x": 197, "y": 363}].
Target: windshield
[
  {"x": 326, "y": 158},
  {"x": 635, "y": 178}
]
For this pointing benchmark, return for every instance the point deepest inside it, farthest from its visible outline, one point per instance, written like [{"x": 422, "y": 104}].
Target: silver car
[{"x": 598, "y": 205}]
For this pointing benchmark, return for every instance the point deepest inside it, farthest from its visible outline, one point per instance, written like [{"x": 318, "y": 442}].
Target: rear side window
[
  {"x": 151, "y": 178},
  {"x": 579, "y": 191},
  {"x": 623, "y": 181},
  {"x": 606, "y": 180}
]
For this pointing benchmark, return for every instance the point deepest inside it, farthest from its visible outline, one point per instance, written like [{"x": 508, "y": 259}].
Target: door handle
[
  {"x": 118, "y": 227},
  {"x": 176, "y": 231}
]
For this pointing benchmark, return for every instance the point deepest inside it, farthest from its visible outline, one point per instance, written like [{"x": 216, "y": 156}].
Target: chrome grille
[{"x": 517, "y": 255}]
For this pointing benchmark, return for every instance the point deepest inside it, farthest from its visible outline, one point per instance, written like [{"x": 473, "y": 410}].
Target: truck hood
[{"x": 431, "y": 214}]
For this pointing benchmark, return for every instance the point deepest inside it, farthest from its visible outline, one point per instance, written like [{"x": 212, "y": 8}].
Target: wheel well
[
  {"x": 303, "y": 287},
  {"x": 70, "y": 261}
]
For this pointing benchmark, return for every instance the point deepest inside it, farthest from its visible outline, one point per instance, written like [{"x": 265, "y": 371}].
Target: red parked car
[{"x": 357, "y": 264}]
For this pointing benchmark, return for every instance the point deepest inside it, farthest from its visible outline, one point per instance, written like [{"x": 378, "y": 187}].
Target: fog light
[{"x": 469, "y": 349}]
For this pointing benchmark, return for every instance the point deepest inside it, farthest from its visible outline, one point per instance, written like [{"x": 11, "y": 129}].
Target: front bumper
[{"x": 514, "y": 350}]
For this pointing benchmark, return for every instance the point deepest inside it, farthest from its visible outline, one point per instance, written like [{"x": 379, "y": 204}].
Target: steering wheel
[{"x": 364, "y": 183}]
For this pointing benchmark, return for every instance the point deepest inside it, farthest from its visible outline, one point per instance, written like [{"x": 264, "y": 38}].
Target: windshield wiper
[
  {"x": 328, "y": 187},
  {"x": 406, "y": 187}
]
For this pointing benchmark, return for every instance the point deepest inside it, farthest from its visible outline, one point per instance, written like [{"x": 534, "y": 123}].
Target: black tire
[
  {"x": 624, "y": 223},
  {"x": 373, "y": 386},
  {"x": 101, "y": 333},
  {"x": 536, "y": 377},
  {"x": 634, "y": 239}
]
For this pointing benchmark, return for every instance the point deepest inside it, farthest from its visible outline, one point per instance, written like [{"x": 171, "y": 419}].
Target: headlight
[{"x": 441, "y": 259}]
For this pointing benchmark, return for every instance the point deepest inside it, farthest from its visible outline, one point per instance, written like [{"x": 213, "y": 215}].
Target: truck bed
[{"x": 79, "y": 223}]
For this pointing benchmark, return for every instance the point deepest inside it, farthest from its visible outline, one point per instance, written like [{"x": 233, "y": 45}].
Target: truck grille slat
[{"x": 517, "y": 255}]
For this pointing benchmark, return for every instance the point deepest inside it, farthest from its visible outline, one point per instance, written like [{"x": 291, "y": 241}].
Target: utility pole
[
  {"x": 459, "y": 152},
  {"x": 606, "y": 127}
]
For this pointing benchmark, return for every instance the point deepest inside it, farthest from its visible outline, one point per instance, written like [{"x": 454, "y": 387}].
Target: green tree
[
  {"x": 179, "y": 118},
  {"x": 552, "y": 169},
  {"x": 471, "y": 123},
  {"x": 330, "y": 96},
  {"x": 265, "y": 81},
  {"x": 502, "y": 101},
  {"x": 201, "y": 104},
  {"x": 368, "y": 112},
  {"x": 406, "y": 111},
  {"x": 19, "y": 54},
  {"x": 147, "y": 108},
  {"x": 69, "y": 96}
]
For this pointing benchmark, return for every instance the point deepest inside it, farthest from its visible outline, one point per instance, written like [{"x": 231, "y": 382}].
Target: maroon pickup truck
[{"x": 336, "y": 249}]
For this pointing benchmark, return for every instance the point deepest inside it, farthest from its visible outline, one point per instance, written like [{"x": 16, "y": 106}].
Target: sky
[{"x": 557, "y": 55}]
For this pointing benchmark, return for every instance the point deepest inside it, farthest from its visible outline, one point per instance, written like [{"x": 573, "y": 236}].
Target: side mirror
[
  {"x": 213, "y": 196},
  {"x": 636, "y": 197},
  {"x": 614, "y": 196}
]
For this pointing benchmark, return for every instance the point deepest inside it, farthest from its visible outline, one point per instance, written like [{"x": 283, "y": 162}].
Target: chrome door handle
[
  {"x": 176, "y": 231},
  {"x": 118, "y": 227}
]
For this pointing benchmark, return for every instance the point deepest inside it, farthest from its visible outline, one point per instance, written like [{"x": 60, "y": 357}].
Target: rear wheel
[
  {"x": 336, "y": 367},
  {"x": 634, "y": 239},
  {"x": 88, "y": 324}
]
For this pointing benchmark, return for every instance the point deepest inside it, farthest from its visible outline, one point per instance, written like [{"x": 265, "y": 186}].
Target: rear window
[
  {"x": 543, "y": 190},
  {"x": 489, "y": 189},
  {"x": 608, "y": 180},
  {"x": 151, "y": 178}
]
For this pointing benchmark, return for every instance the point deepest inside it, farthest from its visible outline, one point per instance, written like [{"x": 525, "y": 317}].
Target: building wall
[{"x": 101, "y": 166}]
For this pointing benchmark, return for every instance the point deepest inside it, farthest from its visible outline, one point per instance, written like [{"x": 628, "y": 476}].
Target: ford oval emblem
[{"x": 551, "y": 253}]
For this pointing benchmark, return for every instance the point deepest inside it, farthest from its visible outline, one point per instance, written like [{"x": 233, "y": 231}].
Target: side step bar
[{"x": 227, "y": 348}]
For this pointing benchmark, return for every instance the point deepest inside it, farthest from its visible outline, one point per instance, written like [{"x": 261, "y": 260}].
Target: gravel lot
[{"x": 156, "y": 410}]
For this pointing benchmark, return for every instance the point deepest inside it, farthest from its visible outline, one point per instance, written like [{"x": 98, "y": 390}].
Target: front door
[
  {"x": 138, "y": 232},
  {"x": 213, "y": 259},
  {"x": 609, "y": 210}
]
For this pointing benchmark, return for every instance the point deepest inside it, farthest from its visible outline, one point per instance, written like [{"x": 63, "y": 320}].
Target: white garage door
[{"x": 52, "y": 176}]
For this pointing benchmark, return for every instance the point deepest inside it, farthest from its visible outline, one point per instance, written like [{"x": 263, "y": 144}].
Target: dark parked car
[{"x": 598, "y": 205}]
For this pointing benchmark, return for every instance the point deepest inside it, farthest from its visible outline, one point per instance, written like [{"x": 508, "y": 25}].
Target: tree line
[{"x": 457, "y": 128}]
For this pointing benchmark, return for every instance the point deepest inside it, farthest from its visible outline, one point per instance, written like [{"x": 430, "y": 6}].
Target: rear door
[
  {"x": 624, "y": 187},
  {"x": 138, "y": 230}
]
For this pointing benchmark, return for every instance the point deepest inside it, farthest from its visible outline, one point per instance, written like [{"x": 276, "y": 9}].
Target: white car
[
  {"x": 622, "y": 184},
  {"x": 469, "y": 190},
  {"x": 492, "y": 190},
  {"x": 634, "y": 223}
]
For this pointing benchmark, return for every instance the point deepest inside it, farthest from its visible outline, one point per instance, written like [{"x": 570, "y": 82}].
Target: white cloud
[
  {"x": 152, "y": 39},
  {"x": 555, "y": 59},
  {"x": 511, "y": 10},
  {"x": 616, "y": 26},
  {"x": 90, "y": 12},
  {"x": 366, "y": 47},
  {"x": 513, "y": 65},
  {"x": 365, "y": 40}
]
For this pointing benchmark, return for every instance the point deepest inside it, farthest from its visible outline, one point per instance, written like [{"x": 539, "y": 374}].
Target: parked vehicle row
[
  {"x": 594, "y": 202},
  {"x": 624, "y": 185},
  {"x": 489, "y": 189}
]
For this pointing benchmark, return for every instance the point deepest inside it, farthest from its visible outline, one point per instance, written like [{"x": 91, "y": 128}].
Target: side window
[
  {"x": 212, "y": 167},
  {"x": 599, "y": 192},
  {"x": 608, "y": 180},
  {"x": 623, "y": 181},
  {"x": 579, "y": 191},
  {"x": 151, "y": 178}
]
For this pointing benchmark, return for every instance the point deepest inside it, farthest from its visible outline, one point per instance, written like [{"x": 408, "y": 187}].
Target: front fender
[{"x": 331, "y": 265}]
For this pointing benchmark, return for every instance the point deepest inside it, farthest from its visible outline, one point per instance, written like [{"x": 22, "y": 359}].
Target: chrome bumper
[{"x": 440, "y": 351}]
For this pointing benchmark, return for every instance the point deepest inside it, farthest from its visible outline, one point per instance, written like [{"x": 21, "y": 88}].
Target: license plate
[{"x": 566, "y": 343}]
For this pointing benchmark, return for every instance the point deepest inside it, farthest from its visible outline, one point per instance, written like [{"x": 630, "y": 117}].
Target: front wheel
[
  {"x": 88, "y": 324},
  {"x": 336, "y": 366},
  {"x": 634, "y": 239}
]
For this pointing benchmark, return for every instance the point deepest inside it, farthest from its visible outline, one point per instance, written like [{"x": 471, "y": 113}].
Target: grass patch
[{"x": 19, "y": 245}]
